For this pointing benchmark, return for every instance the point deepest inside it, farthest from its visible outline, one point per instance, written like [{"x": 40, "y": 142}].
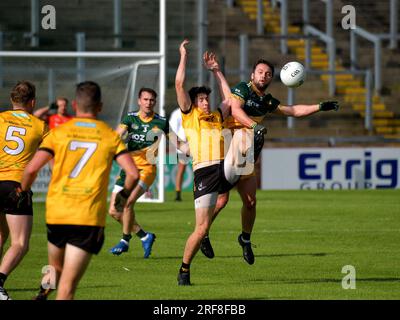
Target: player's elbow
[
  {"x": 234, "y": 111},
  {"x": 179, "y": 84}
]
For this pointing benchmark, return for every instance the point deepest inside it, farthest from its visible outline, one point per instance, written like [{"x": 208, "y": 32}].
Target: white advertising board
[{"x": 330, "y": 168}]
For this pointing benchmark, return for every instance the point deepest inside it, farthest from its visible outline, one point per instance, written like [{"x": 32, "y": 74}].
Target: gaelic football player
[
  {"x": 76, "y": 206},
  {"x": 142, "y": 130},
  {"x": 251, "y": 103},
  {"x": 20, "y": 135}
]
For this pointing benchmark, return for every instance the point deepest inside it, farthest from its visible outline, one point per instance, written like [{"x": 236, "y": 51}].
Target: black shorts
[
  {"x": 210, "y": 179},
  {"x": 224, "y": 185},
  {"x": 88, "y": 238},
  {"x": 206, "y": 180},
  {"x": 7, "y": 205}
]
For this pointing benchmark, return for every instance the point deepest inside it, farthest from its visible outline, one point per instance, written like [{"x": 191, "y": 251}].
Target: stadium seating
[
  {"x": 351, "y": 88},
  {"x": 224, "y": 27}
]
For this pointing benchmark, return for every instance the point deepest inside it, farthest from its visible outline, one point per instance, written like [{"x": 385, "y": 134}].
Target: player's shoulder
[
  {"x": 21, "y": 117},
  {"x": 160, "y": 118},
  {"x": 3, "y": 115},
  {"x": 241, "y": 88},
  {"x": 131, "y": 116}
]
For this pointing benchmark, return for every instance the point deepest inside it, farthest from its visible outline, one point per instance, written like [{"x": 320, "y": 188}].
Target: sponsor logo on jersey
[{"x": 85, "y": 124}]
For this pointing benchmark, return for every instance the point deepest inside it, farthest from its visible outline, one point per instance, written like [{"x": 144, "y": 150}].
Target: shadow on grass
[
  {"x": 280, "y": 255},
  {"x": 22, "y": 289},
  {"x": 304, "y": 281}
]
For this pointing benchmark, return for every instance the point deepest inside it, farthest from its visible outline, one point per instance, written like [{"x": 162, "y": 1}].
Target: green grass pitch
[{"x": 303, "y": 239}]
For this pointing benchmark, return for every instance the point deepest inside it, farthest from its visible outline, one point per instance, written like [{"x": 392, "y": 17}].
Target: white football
[{"x": 292, "y": 74}]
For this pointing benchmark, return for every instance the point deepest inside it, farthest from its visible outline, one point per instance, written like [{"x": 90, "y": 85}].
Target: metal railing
[
  {"x": 35, "y": 24},
  {"x": 312, "y": 33},
  {"x": 376, "y": 39},
  {"x": 394, "y": 16},
  {"x": 331, "y": 49},
  {"x": 202, "y": 8}
]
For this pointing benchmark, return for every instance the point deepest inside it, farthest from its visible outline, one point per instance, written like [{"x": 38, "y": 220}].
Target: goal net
[{"x": 120, "y": 80}]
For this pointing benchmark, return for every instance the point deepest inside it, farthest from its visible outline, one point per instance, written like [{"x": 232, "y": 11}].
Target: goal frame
[{"x": 155, "y": 56}]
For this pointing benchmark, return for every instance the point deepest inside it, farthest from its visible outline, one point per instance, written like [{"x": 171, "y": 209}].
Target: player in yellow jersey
[
  {"x": 203, "y": 130},
  {"x": 141, "y": 129},
  {"x": 20, "y": 135},
  {"x": 76, "y": 206}
]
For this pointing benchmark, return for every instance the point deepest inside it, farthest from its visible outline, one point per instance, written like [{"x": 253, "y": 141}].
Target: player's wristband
[{"x": 253, "y": 125}]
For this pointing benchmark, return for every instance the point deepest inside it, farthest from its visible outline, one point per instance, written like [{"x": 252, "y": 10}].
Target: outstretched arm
[
  {"x": 41, "y": 113},
  {"x": 303, "y": 110},
  {"x": 239, "y": 114},
  {"x": 211, "y": 63},
  {"x": 181, "y": 94}
]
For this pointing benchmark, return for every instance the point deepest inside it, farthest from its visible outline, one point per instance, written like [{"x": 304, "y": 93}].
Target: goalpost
[{"x": 147, "y": 68}]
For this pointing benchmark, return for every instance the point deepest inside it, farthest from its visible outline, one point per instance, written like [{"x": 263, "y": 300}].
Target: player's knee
[
  {"x": 22, "y": 247},
  {"x": 250, "y": 204},
  {"x": 202, "y": 229},
  {"x": 115, "y": 214},
  {"x": 222, "y": 200},
  {"x": 221, "y": 203}
]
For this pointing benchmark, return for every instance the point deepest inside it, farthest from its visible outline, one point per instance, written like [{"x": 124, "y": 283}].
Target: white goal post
[{"x": 141, "y": 59}]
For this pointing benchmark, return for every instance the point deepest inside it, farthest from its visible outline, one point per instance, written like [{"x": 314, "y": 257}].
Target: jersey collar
[{"x": 146, "y": 119}]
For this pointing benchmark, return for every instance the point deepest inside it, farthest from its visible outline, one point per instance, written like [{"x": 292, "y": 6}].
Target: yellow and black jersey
[
  {"x": 256, "y": 104},
  {"x": 20, "y": 135},
  {"x": 203, "y": 132},
  {"x": 83, "y": 152}
]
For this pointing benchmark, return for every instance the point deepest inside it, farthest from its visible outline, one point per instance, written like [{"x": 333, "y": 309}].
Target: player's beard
[{"x": 261, "y": 87}]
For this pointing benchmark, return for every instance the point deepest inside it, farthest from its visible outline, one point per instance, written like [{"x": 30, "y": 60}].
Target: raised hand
[
  {"x": 182, "y": 48},
  {"x": 210, "y": 61},
  {"x": 328, "y": 105},
  {"x": 21, "y": 198}
]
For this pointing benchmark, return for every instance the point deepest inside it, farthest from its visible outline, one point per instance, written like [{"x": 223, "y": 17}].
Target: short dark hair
[
  {"x": 193, "y": 92},
  {"x": 23, "y": 92},
  {"x": 149, "y": 90},
  {"x": 62, "y": 98},
  {"x": 262, "y": 61},
  {"x": 88, "y": 96}
]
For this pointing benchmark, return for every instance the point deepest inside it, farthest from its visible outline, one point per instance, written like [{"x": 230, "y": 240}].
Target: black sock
[
  {"x": 185, "y": 268},
  {"x": 126, "y": 237},
  {"x": 45, "y": 291},
  {"x": 141, "y": 233},
  {"x": 246, "y": 236},
  {"x": 178, "y": 194},
  {"x": 3, "y": 278}
]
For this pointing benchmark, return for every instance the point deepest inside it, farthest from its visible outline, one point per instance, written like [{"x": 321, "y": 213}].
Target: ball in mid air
[{"x": 292, "y": 74}]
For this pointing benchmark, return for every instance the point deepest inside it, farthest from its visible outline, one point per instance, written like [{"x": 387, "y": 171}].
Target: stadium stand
[
  {"x": 385, "y": 115},
  {"x": 224, "y": 27}
]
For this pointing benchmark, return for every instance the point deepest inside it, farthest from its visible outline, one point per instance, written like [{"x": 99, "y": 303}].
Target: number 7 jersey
[
  {"x": 83, "y": 152},
  {"x": 20, "y": 136}
]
